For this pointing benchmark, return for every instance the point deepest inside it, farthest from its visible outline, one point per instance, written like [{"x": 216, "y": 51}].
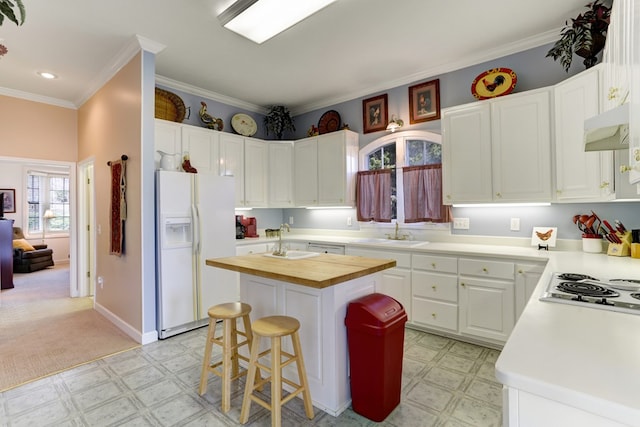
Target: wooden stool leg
[
  {"x": 204, "y": 376},
  {"x": 276, "y": 383},
  {"x": 302, "y": 375},
  {"x": 226, "y": 364},
  {"x": 248, "y": 332},
  {"x": 248, "y": 389},
  {"x": 235, "y": 367}
]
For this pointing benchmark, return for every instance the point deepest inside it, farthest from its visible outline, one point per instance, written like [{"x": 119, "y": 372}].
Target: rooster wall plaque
[{"x": 494, "y": 82}]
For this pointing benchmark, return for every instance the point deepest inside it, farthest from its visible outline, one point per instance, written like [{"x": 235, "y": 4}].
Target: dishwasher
[{"x": 325, "y": 248}]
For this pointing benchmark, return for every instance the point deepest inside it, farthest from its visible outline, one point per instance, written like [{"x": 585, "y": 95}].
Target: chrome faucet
[
  {"x": 280, "y": 251},
  {"x": 396, "y": 236}
]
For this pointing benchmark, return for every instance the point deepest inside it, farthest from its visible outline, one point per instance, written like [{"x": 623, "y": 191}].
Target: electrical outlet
[
  {"x": 349, "y": 223},
  {"x": 515, "y": 224},
  {"x": 290, "y": 220},
  {"x": 100, "y": 281},
  {"x": 461, "y": 223}
]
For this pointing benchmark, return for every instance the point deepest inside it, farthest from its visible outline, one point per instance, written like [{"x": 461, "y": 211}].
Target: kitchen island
[{"x": 316, "y": 291}]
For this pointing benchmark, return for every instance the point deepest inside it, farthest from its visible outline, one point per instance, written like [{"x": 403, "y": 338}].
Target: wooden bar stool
[
  {"x": 228, "y": 313},
  {"x": 275, "y": 327}
]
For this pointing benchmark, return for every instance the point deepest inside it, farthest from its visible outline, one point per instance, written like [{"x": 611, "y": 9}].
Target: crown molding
[
  {"x": 122, "y": 58},
  {"x": 37, "y": 98},
  {"x": 194, "y": 90}
]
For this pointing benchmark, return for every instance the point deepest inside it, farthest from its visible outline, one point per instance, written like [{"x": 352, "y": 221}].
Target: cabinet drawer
[
  {"x": 435, "y": 286},
  {"x": 435, "y": 313},
  {"x": 487, "y": 268},
  {"x": 440, "y": 264},
  {"x": 251, "y": 249}
]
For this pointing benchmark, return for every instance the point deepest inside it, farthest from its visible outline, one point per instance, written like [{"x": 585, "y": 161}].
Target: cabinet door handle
[
  {"x": 433, "y": 315},
  {"x": 462, "y": 284},
  {"x": 433, "y": 264},
  {"x": 433, "y": 287},
  {"x": 485, "y": 269},
  {"x": 499, "y": 195},
  {"x": 520, "y": 271}
]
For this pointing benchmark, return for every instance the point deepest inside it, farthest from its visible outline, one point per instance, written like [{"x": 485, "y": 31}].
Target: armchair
[{"x": 26, "y": 260}]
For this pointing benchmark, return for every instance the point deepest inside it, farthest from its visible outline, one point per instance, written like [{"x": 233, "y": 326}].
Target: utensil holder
[
  {"x": 621, "y": 249},
  {"x": 592, "y": 244}
]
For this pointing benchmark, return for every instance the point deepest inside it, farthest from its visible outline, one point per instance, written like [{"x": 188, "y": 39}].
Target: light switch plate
[{"x": 515, "y": 224}]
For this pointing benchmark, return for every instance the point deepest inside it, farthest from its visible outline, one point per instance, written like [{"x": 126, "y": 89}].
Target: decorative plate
[
  {"x": 329, "y": 122},
  {"x": 494, "y": 82},
  {"x": 169, "y": 106},
  {"x": 244, "y": 124}
]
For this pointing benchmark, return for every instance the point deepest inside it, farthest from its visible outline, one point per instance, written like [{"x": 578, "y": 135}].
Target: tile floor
[{"x": 445, "y": 383}]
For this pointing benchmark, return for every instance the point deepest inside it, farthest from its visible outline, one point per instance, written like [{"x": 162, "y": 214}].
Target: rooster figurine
[{"x": 207, "y": 119}]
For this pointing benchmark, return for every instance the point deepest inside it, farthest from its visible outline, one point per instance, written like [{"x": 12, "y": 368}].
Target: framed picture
[
  {"x": 424, "y": 101},
  {"x": 8, "y": 200},
  {"x": 374, "y": 114}
]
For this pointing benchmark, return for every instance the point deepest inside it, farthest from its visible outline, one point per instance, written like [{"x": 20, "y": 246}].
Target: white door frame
[{"x": 86, "y": 229}]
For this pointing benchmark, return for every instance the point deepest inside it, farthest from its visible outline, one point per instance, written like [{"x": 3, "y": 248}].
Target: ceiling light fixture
[
  {"x": 395, "y": 124},
  {"x": 260, "y": 20},
  {"x": 47, "y": 75}
]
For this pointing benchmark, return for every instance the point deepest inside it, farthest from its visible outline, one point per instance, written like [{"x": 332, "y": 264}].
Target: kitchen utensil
[
  {"x": 606, "y": 223},
  {"x": 620, "y": 227},
  {"x": 589, "y": 224}
]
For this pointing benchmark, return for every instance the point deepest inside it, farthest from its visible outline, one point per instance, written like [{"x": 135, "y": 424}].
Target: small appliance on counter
[
  {"x": 240, "y": 229},
  {"x": 251, "y": 227}
]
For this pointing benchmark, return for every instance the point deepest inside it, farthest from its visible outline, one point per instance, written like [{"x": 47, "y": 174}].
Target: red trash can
[{"x": 375, "y": 335}]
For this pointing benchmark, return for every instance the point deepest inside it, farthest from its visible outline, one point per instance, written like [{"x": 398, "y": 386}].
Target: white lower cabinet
[
  {"x": 470, "y": 298},
  {"x": 486, "y": 304},
  {"x": 396, "y": 282},
  {"x": 434, "y": 291},
  {"x": 524, "y": 409},
  {"x": 527, "y": 278}
]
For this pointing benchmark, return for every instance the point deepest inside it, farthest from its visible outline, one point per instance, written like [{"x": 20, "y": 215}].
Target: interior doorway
[{"x": 86, "y": 231}]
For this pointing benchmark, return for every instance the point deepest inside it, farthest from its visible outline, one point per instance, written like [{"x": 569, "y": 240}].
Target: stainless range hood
[{"x": 607, "y": 131}]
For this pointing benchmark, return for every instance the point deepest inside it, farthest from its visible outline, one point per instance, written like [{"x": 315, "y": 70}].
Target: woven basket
[{"x": 169, "y": 106}]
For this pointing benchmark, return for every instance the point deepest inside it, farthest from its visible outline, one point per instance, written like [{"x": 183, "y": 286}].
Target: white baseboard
[{"x": 122, "y": 325}]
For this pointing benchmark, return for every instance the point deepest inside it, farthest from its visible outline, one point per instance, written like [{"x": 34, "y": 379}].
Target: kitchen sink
[{"x": 293, "y": 255}]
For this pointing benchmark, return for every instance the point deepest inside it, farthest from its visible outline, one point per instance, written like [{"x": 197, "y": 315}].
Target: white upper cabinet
[
  {"x": 256, "y": 163},
  {"x": 280, "y": 174},
  {"x": 168, "y": 138},
  {"x": 466, "y": 154},
  {"x": 232, "y": 162},
  {"x": 246, "y": 160},
  {"x": 305, "y": 172},
  {"x": 498, "y": 150},
  {"x": 203, "y": 148},
  {"x": 580, "y": 176},
  {"x": 325, "y": 169},
  {"x": 618, "y": 55}
]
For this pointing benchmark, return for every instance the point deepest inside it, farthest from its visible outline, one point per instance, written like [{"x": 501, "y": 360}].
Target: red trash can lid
[{"x": 375, "y": 310}]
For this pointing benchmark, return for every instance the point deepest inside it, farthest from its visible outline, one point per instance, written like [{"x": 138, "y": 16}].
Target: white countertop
[
  {"x": 579, "y": 356},
  {"x": 583, "y": 357}
]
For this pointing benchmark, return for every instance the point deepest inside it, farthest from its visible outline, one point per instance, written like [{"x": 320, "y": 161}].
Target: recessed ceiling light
[{"x": 47, "y": 75}]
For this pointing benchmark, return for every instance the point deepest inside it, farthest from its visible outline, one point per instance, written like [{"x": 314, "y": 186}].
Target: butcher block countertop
[{"x": 318, "y": 272}]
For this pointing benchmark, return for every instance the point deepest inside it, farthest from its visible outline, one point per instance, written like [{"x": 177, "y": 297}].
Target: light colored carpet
[{"x": 43, "y": 331}]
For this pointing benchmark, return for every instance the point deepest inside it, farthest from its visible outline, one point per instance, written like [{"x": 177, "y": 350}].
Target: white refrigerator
[{"x": 195, "y": 220}]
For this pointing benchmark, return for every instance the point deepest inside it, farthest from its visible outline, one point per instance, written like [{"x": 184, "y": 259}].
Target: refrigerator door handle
[{"x": 196, "y": 228}]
